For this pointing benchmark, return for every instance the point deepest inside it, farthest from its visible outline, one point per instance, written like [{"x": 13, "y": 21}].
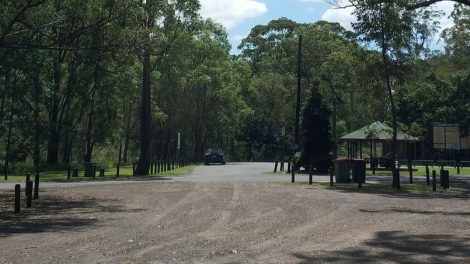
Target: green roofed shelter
[{"x": 378, "y": 133}]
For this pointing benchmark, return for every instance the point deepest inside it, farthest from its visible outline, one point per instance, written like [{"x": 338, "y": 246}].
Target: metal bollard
[
  {"x": 434, "y": 180},
  {"x": 17, "y": 198},
  {"x": 29, "y": 196}
]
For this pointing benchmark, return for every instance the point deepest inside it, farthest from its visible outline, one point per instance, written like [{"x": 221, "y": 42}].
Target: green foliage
[
  {"x": 317, "y": 142},
  {"x": 71, "y": 79}
]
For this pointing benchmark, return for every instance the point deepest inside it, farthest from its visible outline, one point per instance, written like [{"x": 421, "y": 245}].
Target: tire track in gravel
[{"x": 195, "y": 205}]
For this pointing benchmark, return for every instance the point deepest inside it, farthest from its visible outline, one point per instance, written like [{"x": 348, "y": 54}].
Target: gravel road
[{"x": 231, "y": 214}]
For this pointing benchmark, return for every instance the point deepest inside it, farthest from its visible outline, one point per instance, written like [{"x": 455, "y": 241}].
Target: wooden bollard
[
  {"x": 133, "y": 168},
  {"x": 36, "y": 186},
  {"x": 360, "y": 180},
  {"x": 28, "y": 178},
  {"x": 434, "y": 180},
  {"x": 101, "y": 172},
  {"x": 441, "y": 175},
  {"x": 17, "y": 198},
  {"x": 458, "y": 168},
  {"x": 373, "y": 166},
  {"x": 69, "y": 170},
  {"x": 427, "y": 174},
  {"x": 293, "y": 173},
  {"x": 275, "y": 166},
  {"x": 310, "y": 175},
  {"x": 29, "y": 196},
  {"x": 288, "y": 167},
  {"x": 410, "y": 169},
  {"x": 331, "y": 171},
  {"x": 445, "y": 179}
]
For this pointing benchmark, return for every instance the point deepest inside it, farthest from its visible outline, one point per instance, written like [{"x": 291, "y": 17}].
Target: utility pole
[{"x": 297, "y": 110}]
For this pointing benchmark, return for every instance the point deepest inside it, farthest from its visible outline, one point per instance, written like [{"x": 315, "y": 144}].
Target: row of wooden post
[
  {"x": 31, "y": 192},
  {"x": 161, "y": 166},
  {"x": 444, "y": 176},
  {"x": 281, "y": 167}
]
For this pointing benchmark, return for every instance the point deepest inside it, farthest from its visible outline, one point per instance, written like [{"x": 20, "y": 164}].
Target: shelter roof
[{"x": 376, "y": 131}]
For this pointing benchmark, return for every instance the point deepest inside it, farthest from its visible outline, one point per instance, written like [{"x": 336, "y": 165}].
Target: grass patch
[
  {"x": 125, "y": 172},
  {"x": 379, "y": 188}
]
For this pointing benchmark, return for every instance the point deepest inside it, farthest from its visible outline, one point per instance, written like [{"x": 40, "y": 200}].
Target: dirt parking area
[{"x": 233, "y": 222}]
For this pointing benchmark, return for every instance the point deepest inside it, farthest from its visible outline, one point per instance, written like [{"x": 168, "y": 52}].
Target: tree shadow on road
[
  {"x": 53, "y": 213},
  {"x": 398, "y": 247},
  {"x": 410, "y": 211}
]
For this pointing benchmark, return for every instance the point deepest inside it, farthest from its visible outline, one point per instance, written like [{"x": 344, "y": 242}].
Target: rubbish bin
[
  {"x": 89, "y": 168},
  {"x": 358, "y": 170},
  {"x": 342, "y": 171}
]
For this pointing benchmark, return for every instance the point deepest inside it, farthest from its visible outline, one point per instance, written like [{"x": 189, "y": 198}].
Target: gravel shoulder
[{"x": 223, "y": 214}]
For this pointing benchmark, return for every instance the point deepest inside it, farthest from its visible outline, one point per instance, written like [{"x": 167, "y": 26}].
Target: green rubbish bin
[
  {"x": 358, "y": 170},
  {"x": 342, "y": 171}
]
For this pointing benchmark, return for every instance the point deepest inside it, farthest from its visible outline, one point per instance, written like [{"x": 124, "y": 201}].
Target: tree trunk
[
  {"x": 10, "y": 124},
  {"x": 143, "y": 165},
  {"x": 89, "y": 144},
  {"x": 37, "y": 124},
  {"x": 54, "y": 134},
  {"x": 393, "y": 147},
  {"x": 127, "y": 135}
]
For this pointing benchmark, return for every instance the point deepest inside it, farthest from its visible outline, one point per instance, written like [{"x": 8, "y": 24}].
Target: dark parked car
[{"x": 214, "y": 155}]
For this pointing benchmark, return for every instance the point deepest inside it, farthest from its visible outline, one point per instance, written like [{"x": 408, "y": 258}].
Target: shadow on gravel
[
  {"x": 398, "y": 247},
  {"x": 114, "y": 179},
  {"x": 409, "y": 211},
  {"x": 52, "y": 213},
  {"x": 458, "y": 190}
]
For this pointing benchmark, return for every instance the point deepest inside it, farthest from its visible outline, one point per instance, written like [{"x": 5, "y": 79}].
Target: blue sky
[{"x": 239, "y": 16}]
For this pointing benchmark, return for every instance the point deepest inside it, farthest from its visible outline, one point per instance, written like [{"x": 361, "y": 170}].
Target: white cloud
[
  {"x": 343, "y": 16},
  {"x": 312, "y": 1},
  {"x": 231, "y": 12},
  {"x": 446, "y": 21}
]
